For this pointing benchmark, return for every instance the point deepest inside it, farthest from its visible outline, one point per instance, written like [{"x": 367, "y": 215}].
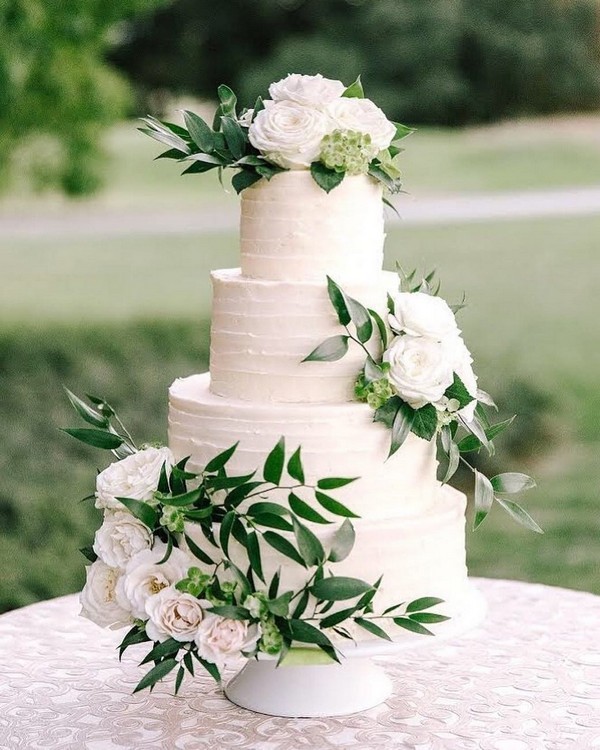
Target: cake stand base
[{"x": 304, "y": 691}]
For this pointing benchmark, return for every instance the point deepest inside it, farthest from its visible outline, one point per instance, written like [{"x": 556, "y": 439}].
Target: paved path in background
[{"x": 414, "y": 211}]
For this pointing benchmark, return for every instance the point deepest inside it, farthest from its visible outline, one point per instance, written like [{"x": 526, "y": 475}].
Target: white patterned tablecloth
[{"x": 527, "y": 679}]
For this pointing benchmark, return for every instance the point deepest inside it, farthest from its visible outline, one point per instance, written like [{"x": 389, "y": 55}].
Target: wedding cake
[{"x": 267, "y": 315}]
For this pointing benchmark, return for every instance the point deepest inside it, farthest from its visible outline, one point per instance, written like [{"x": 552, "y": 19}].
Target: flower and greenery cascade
[
  {"x": 309, "y": 122},
  {"x": 178, "y": 558},
  {"x": 420, "y": 379}
]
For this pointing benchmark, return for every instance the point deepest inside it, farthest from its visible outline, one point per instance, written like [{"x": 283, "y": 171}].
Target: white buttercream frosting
[
  {"x": 292, "y": 230},
  {"x": 262, "y": 330}
]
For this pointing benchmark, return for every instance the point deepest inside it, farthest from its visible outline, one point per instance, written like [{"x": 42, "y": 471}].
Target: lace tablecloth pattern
[{"x": 527, "y": 679}]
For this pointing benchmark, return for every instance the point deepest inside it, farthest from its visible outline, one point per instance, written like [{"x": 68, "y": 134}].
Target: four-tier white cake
[{"x": 267, "y": 316}]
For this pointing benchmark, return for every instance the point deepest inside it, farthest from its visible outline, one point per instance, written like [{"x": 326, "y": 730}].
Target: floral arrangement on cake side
[
  {"x": 422, "y": 381},
  {"x": 309, "y": 122},
  {"x": 178, "y": 558}
]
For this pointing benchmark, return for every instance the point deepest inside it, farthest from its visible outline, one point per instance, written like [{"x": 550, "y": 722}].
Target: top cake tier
[{"x": 291, "y": 229}]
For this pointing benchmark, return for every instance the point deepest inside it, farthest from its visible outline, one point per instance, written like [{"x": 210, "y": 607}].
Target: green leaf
[
  {"x": 366, "y": 599},
  {"x": 425, "y": 602},
  {"x": 472, "y": 443},
  {"x": 459, "y": 392},
  {"x": 283, "y": 546},
  {"x": 336, "y": 618},
  {"x": 180, "y": 501},
  {"x": 230, "y": 611},
  {"x": 334, "y": 506},
  {"x": 414, "y": 627},
  {"x": 281, "y": 605},
  {"x": 355, "y": 90},
  {"x": 303, "y": 509},
  {"x": 387, "y": 412},
  {"x": 304, "y": 632},
  {"x": 273, "y": 468},
  {"x": 310, "y": 548},
  {"x": 519, "y": 514},
  {"x": 332, "y": 483},
  {"x": 88, "y": 553},
  {"x": 339, "y": 588},
  {"x": 211, "y": 668},
  {"x": 253, "y": 549},
  {"x": 401, "y": 426},
  {"x": 381, "y": 327},
  {"x": 218, "y": 462},
  {"x": 227, "y": 99},
  {"x": 234, "y": 136},
  {"x": 378, "y": 173},
  {"x": 477, "y": 429},
  {"x": 342, "y": 542},
  {"x": 372, "y": 371},
  {"x": 274, "y": 585},
  {"x": 268, "y": 171},
  {"x": 428, "y": 618},
  {"x": 187, "y": 660},
  {"x": 227, "y": 483},
  {"x": 244, "y": 179},
  {"x": 179, "y": 679},
  {"x": 372, "y": 628},
  {"x": 402, "y": 131},
  {"x": 512, "y": 482},
  {"x": 391, "y": 206},
  {"x": 157, "y": 673},
  {"x": 272, "y": 521},
  {"x": 172, "y": 153},
  {"x": 294, "y": 466},
  {"x": 133, "y": 636},
  {"x": 301, "y": 605},
  {"x": 240, "y": 493},
  {"x": 241, "y": 579},
  {"x": 484, "y": 497},
  {"x": 91, "y": 416},
  {"x": 361, "y": 319},
  {"x": 225, "y": 531},
  {"x": 330, "y": 350},
  {"x": 425, "y": 422},
  {"x": 200, "y": 132},
  {"x": 199, "y": 167},
  {"x": 326, "y": 178},
  {"x": 215, "y": 160},
  {"x": 169, "y": 549},
  {"x": 146, "y": 513},
  {"x": 197, "y": 552},
  {"x": 169, "y": 139},
  {"x": 251, "y": 160},
  {"x": 97, "y": 438},
  {"x": 166, "y": 648},
  {"x": 453, "y": 461},
  {"x": 338, "y": 300},
  {"x": 485, "y": 398},
  {"x": 257, "y": 509}
]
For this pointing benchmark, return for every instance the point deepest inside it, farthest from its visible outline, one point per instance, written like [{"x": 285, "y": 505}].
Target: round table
[{"x": 527, "y": 679}]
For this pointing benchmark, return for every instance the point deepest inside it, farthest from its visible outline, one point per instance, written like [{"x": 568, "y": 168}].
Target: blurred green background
[{"x": 105, "y": 255}]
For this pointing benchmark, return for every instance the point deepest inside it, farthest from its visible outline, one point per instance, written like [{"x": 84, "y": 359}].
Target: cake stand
[{"x": 308, "y": 684}]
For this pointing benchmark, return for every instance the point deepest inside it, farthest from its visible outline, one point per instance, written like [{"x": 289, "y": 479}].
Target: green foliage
[
  {"x": 56, "y": 89},
  {"x": 442, "y": 62}
]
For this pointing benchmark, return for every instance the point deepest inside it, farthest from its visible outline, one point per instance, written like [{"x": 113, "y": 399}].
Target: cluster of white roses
[
  {"x": 129, "y": 581},
  {"x": 425, "y": 353},
  {"x": 303, "y": 110}
]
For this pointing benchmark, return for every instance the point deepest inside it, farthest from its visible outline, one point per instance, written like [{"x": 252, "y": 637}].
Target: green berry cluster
[
  {"x": 375, "y": 393},
  {"x": 347, "y": 151},
  {"x": 173, "y": 519}
]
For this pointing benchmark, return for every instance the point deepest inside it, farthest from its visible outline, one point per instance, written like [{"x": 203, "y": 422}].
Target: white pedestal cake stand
[{"x": 308, "y": 684}]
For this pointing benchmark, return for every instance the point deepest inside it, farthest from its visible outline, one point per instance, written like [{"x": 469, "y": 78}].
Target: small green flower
[
  {"x": 375, "y": 393},
  {"x": 256, "y": 604},
  {"x": 271, "y": 639},
  {"x": 173, "y": 519},
  {"x": 347, "y": 151}
]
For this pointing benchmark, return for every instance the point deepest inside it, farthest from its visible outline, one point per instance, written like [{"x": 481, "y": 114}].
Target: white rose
[
  {"x": 98, "y": 599},
  {"x": 351, "y": 113},
  {"x": 310, "y": 91},
  {"x": 421, "y": 314},
  {"x": 289, "y": 134},
  {"x": 120, "y": 537},
  {"x": 135, "y": 476},
  {"x": 173, "y": 615},
  {"x": 145, "y": 576},
  {"x": 420, "y": 369},
  {"x": 221, "y": 640}
]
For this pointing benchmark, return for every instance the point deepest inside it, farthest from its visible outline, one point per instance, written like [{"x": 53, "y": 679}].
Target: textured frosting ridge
[{"x": 292, "y": 230}]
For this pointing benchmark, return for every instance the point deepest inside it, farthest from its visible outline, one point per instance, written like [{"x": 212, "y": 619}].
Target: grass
[{"x": 124, "y": 316}]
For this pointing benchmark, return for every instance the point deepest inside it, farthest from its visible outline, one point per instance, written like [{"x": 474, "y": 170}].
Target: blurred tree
[
  {"x": 56, "y": 90},
  {"x": 446, "y": 62}
]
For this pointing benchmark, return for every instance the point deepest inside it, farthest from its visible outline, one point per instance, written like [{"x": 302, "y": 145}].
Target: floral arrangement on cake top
[
  {"x": 421, "y": 380},
  {"x": 309, "y": 122},
  {"x": 178, "y": 558}
]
